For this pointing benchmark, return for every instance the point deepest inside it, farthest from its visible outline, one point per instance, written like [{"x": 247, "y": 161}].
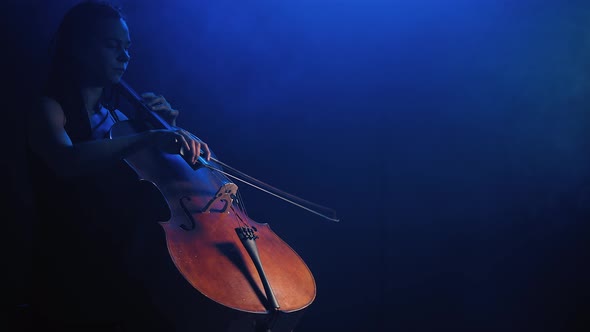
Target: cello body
[{"x": 217, "y": 269}]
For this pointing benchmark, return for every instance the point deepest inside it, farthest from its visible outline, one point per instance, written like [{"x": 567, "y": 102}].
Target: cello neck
[{"x": 152, "y": 118}]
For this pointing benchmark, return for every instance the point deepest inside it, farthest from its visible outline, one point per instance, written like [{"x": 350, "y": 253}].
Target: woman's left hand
[{"x": 160, "y": 105}]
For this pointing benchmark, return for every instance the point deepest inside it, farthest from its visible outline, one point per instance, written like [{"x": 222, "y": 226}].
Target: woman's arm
[{"x": 48, "y": 138}]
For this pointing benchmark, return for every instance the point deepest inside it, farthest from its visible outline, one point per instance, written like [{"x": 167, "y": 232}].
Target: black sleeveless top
[{"x": 82, "y": 235}]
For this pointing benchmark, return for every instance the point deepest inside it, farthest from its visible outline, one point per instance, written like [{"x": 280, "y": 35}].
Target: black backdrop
[{"x": 453, "y": 143}]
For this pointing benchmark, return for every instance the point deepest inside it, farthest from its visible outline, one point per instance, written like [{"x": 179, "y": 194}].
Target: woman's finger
[
  {"x": 157, "y": 101},
  {"x": 167, "y": 111},
  {"x": 184, "y": 143},
  {"x": 195, "y": 152},
  {"x": 149, "y": 95},
  {"x": 151, "y": 99},
  {"x": 161, "y": 107},
  {"x": 205, "y": 149},
  {"x": 194, "y": 147}
]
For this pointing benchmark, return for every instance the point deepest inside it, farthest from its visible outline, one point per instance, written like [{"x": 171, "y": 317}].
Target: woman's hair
[{"x": 78, "y": 25}]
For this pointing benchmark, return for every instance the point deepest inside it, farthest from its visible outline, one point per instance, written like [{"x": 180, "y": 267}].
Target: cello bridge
[{"x": 225, "y": 195}]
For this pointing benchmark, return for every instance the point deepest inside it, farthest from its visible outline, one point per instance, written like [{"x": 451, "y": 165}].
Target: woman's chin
[{"x": 116, "y": 79}]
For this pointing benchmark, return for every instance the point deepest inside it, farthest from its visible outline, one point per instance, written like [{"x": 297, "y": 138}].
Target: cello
[{"x": 234, "y": 269}]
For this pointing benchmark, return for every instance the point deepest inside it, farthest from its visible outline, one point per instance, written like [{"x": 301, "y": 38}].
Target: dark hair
[{"x": 79, "y": 23}]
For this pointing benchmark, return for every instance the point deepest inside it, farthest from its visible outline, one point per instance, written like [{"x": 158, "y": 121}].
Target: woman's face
[{"x": 106, "y": 56}]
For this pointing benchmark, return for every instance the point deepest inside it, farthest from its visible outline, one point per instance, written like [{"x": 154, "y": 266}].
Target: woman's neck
[{"x": 91, "y": 96}]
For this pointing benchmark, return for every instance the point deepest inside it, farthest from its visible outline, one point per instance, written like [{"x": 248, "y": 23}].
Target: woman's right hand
[{"x": 179, "y": 141}]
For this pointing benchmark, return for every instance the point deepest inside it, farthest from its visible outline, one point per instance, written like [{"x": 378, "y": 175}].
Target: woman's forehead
[{"x": 112, "y": 28}]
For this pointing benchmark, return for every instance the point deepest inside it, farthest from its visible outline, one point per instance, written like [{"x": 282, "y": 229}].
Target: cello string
[{"x": 242, "y": 204}]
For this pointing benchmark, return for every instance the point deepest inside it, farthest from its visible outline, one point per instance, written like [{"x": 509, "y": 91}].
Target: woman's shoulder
[
  {"x": 45, "y": 103},
  {"x": 46, "y": 108}
]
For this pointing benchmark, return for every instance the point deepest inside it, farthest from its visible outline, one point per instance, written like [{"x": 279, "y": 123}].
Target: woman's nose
[{"x": 124, "y": 56}]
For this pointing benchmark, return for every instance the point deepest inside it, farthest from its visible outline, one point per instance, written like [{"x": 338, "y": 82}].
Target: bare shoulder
[
  {"x": 49, "y": 105},
  {"x": 49, "y": 111},
  {"x": 46, "y": 119},
  {"x": 46, "y": 132}
]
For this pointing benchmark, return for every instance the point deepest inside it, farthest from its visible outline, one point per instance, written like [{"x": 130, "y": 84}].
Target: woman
[{"x": 85, "y": 193}]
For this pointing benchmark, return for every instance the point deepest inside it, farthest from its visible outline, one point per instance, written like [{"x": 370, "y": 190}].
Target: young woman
[{"x": 87, "y": 197}]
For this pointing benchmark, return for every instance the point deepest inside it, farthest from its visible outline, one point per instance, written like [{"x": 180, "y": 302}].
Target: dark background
[{"x": 451, "y": 138}]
